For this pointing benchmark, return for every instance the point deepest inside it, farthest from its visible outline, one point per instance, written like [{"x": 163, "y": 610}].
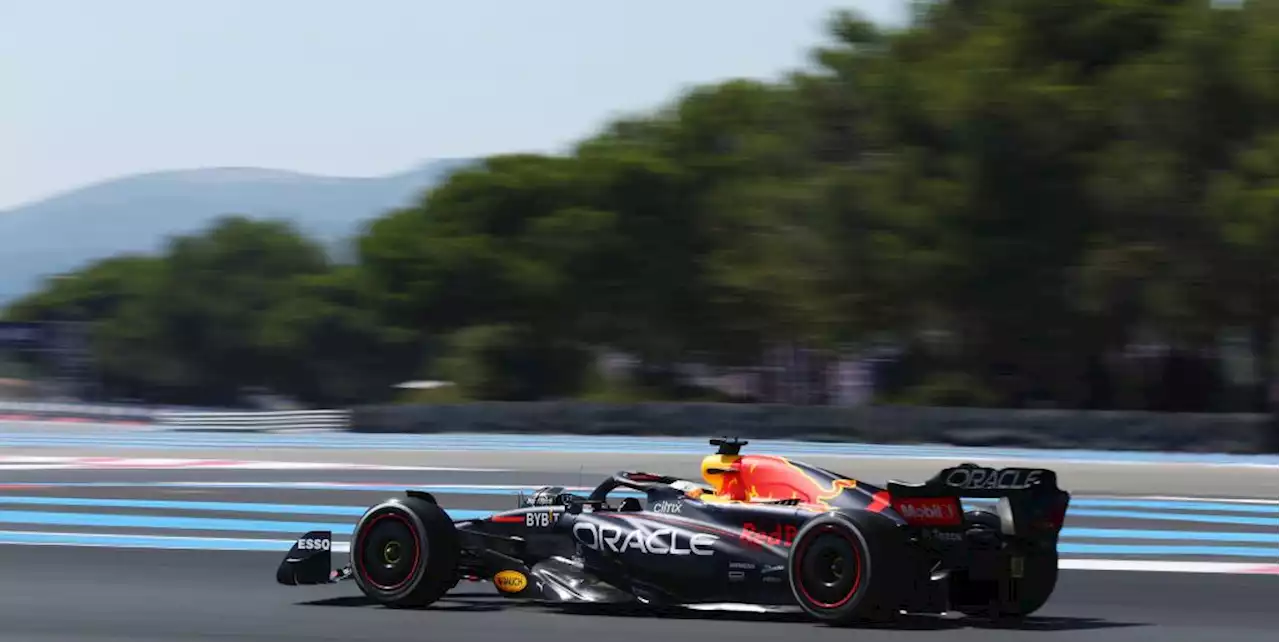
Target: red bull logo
[
  {"x": 780, "y": 535},
  {"x": 766, "y": 477}
]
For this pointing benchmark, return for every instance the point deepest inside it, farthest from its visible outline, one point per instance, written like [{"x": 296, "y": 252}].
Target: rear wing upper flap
[
  {"x": 972, "y": 480},
  {"x": 1030, "y": 501}
]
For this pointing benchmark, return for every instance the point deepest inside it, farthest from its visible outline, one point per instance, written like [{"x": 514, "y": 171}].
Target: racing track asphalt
[
  {"x": 103, "y": 595},
  {"x": 98, "y": 594},
  {"x": 63, "y": 593}
]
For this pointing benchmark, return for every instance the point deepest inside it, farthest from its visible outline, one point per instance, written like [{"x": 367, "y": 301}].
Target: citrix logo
[
  {"x": 666, "y": 507},
  {"x": 662, "y": 541}
]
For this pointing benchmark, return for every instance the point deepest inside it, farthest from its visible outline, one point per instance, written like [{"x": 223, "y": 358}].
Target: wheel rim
[
  {"x": 829, "y": 568},
  {"x": 389, "y": 551}
]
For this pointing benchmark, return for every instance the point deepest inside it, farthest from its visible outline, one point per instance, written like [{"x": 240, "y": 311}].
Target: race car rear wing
[
  {"x": 972, "y": 480},
  {"x": 1030, "y": 501}
]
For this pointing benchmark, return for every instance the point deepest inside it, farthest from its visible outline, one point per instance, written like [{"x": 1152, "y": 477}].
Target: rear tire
[
  {"x": 840, "y": 568},
  {"x": 1011, "y": 598},
  {"x": 405, "y": 553}
]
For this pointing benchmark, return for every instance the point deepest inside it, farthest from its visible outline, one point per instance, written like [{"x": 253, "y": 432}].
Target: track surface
[
  {"x": 98, "y": 595},
  {"x": 262, "y": 509},
  {"x": 100, "y": 574}
]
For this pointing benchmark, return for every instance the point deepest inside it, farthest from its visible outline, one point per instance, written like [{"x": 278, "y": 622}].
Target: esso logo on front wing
[
  {"x": 313, "y": 544},
  {"x": 662, "y": 541}
]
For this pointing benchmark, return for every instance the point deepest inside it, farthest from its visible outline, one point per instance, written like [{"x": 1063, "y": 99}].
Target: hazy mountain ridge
[{"x": 138, "y": 213}]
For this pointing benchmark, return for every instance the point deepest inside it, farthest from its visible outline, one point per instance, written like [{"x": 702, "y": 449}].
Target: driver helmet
[{"x": 721, "y": 472}]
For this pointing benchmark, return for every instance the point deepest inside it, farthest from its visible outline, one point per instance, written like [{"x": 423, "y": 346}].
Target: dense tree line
[{"x": 1016, "y": 193}]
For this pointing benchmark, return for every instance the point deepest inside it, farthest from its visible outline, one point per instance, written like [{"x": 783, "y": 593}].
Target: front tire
[{"x": 405, "y": 553}]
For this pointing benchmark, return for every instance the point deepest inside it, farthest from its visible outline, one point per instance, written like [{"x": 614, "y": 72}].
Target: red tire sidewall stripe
[
  {"x": 417, "y": 550},
  {"x": 797, "y": 568}
]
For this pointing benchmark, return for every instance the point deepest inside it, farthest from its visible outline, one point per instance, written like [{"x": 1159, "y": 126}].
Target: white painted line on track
[
  {"x": 1174, "y": 498},
  {"x": 733, "y": 607},
  {"x": 318, "y": 485},
  {"x": 177, "y": 542},
  {"x": 1170, "y": 566},
  {"x": 180, "y": 542},
  {"x": 154, "y": 542},
  {"x": 1041, "y": 461},
  {"x": 22, "y": 462}
]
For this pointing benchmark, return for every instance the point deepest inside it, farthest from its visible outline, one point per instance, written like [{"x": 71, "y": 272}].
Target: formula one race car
[{"x": 763, "y": 530}]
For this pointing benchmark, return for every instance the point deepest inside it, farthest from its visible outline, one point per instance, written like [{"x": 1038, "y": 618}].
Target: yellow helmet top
[{"x": 714, "y": 467}]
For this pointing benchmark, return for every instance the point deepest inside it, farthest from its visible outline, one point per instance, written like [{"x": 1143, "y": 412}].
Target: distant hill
[{"x": 137, "y": 213}]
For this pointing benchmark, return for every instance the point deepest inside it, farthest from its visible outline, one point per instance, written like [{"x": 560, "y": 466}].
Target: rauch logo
[{"x": 510, "y": 581}]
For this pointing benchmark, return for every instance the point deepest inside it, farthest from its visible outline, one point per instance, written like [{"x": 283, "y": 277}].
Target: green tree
[
  {"x": 208, "y": 308},
  {"x": 185, "y": 326},
  {"x": 1033, "y": 177},
  {"x": 499, "y": 245},
  {"x": 463, "y": 255},
  {"x": 96, "y": 295},
  {"x": 513, "y": 363},
  {"x": 327, "y": 343},
  {"x": 92, "y": 293},
  {"x": 1014, "y": 191},
  {"x": 687, "y": 189},
  {"x": 1243, "y": 204}
]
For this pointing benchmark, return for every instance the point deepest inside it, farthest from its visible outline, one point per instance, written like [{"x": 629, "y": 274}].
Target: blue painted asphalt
[
  {"x": 287, "y": 527},
  {"x": 1179, "y": 517},
  {"x": 185, "y": 523},
  {"x": 1069, "y": 545},
  {"x": 161, "y": 522},
  {"x": 1191, "y": 505},
  {"x": 1077, "y": 503},
  {"x": 213, "y": 507},
  {"x": 244, "y": 544},
  {"x": 1203, "y": 536},
  {"x": 185, "y": 440},
  {"x": 1071, "y": 548},
  {"x": 144, "y": 541}
]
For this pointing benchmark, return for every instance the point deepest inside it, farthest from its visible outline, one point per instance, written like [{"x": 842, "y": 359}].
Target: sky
[{"x": 98, "y": 89}]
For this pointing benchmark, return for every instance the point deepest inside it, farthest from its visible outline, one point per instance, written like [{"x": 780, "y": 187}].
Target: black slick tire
[
  {"x": 840, "y": 568},
  {"x": 404, "y": 553},
  {"x": 1011, "y": 598}
]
